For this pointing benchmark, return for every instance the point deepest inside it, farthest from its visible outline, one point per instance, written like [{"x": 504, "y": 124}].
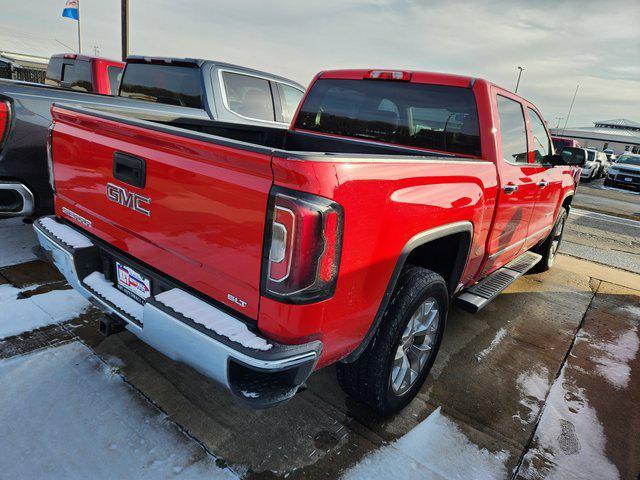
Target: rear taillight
[
  {"x": 50, "y": 157},
  {"x": 388, "y": 75},
  {"x": 302, "y": 248},
  {"x": 5, "y": 112}
]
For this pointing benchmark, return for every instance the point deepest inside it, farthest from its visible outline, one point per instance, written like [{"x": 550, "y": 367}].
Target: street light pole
[
  {"x": 519, "y": 75},
  {"x": 570, "y": 108}
]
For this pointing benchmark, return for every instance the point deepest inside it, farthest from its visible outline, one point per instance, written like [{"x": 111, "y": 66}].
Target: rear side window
[
  {"x": 167, "y": 84},
  {"x": 248, "y": 96},
  {"x": 513, "y": 131},
  {"x": 115, "y": 75},
  {"x": 541, "y": 141},
  {"x": 434, "y": 117},
  {"x": 591, "y": 155},
  {"x": 289, "y": 99},
  {"x": 77, "y": 76}
]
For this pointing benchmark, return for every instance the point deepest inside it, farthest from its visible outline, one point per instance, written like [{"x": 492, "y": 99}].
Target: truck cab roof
[{"x": 200, "y": 63}]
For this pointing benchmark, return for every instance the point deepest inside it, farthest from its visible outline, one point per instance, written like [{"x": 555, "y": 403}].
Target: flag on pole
[{"x": 71, "y": 9}]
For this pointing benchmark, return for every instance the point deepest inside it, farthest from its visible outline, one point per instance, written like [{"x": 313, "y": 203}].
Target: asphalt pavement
[{"x": 604, "y": 227}]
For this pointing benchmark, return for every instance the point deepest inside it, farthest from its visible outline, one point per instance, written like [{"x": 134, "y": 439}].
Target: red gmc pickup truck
[{"x": 343, "y": 239}]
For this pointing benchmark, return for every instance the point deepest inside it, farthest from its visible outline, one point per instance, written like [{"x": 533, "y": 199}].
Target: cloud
[{"x": 560, "y": 44}]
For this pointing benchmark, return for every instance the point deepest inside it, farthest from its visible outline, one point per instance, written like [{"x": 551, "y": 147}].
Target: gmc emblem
[{"x": 128, "y": 199}]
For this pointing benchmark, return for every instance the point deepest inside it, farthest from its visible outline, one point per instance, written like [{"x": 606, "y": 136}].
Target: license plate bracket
[{"x": 132, "y": 283}]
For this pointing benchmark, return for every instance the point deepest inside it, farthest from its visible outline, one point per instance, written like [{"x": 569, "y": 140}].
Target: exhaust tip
[{"x": 15, "y": 200}]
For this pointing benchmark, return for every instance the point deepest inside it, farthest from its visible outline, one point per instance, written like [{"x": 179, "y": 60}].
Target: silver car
[{"x": 625, "y": 172}]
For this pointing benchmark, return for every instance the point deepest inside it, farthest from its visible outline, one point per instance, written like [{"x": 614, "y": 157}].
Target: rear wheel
[
  {"x": 395, "y": 364},
  {"x": 549, "y": 249}
]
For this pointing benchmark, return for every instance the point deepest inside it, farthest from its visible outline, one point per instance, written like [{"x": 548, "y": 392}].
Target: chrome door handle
[
  {"x": 543, "y": 183},
  {"x": 510, "y": 188}
]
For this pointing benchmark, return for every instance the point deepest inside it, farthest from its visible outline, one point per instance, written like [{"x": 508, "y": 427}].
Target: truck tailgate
[{"x": 189, "y": 206}]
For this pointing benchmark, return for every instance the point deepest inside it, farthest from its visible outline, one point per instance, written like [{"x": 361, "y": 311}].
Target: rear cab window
[
  {"x": 166, "y": 84},
  {"x": 431, "y": 117}
]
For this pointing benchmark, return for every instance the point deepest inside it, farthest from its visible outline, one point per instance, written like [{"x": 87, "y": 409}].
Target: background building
[
  {"x": 620, "y": 135},
  {"x": 19, "y": 66}
]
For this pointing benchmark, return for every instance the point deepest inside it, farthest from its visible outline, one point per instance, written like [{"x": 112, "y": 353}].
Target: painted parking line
[{"x": 627, "y": 222}]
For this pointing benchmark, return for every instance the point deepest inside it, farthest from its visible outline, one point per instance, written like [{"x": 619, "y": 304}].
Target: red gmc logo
[{"x": 128, "y": 199}]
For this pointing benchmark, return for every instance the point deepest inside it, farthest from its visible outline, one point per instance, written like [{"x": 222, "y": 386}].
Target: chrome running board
[{"x": 477, "y": 297}]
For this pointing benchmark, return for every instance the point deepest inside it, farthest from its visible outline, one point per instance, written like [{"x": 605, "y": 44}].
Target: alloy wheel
[{"x": 416, "y": 345}]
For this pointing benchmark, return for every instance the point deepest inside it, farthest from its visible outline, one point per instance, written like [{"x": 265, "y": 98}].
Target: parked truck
[
  {"x": 186, "y": 91},
  {"x": 343, "y": 241},
  {"x": 84, "y": 73}
]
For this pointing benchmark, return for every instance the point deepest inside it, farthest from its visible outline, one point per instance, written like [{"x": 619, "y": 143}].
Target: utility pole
[
  {"x": 558, "y": 124},
  {"x": 519, "y": 75},
  {"x": 124, "y": 15},
  {"x": 79, "y": 41},
  {"x": 570, "y": 108}
]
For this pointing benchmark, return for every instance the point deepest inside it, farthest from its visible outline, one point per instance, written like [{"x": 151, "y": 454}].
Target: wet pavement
[
  {"x": 543, "y": 383},
  {"x": 496, "y": 371}
]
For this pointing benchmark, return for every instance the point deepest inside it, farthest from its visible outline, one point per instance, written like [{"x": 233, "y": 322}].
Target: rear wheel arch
[{"x": 431, "y": 249}]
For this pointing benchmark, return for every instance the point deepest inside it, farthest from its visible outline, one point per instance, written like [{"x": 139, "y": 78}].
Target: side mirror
[{"x": 571, "y": 156}]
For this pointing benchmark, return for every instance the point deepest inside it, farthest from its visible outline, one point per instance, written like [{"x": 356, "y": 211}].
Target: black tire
[
  {"x": 549, "y": 248},
  {"x": 369, "y": 378},
  {"x": 608, "y": 183}
]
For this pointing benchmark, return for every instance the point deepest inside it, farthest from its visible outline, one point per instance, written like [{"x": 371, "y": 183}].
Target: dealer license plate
[{"x": 132, "y": 283}]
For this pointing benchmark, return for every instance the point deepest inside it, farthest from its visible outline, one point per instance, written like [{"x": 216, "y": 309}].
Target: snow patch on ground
[
  {"x": 212, "y": 318},
  {"x": 633, "y": 310},
  {"x": 614, "y": 357},
  {"x": 534, "y": 386},
  {"x": 435, "y": 449},
  {"x": 500, "y": 334},
  {"x": 570, "y": 437},
  {"x": 17, "y": 240},
  {"x": 25, "y": 314},
  {"x": 64, "y": 415}
]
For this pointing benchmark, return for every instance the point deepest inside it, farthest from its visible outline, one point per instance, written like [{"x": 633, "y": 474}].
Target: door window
[
  {"x": 513, "y": 131},
  {"x": 248, "y": 96},
  {"x": 289, "y": 99},
  {"x": 541, "y": 141}
]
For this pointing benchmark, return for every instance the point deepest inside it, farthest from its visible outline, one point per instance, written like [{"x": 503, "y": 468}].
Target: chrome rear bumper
[{"x": 259, "y": 378}]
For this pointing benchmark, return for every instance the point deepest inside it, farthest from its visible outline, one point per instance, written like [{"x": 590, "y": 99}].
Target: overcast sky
[{"x": 560, "y": 44}]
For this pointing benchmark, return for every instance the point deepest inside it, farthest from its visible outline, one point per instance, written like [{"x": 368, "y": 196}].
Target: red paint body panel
[
  {"x": 385, "y": 204},
  {"x": 101, "y": 82},
  {"x": 209, "y": 205}
]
